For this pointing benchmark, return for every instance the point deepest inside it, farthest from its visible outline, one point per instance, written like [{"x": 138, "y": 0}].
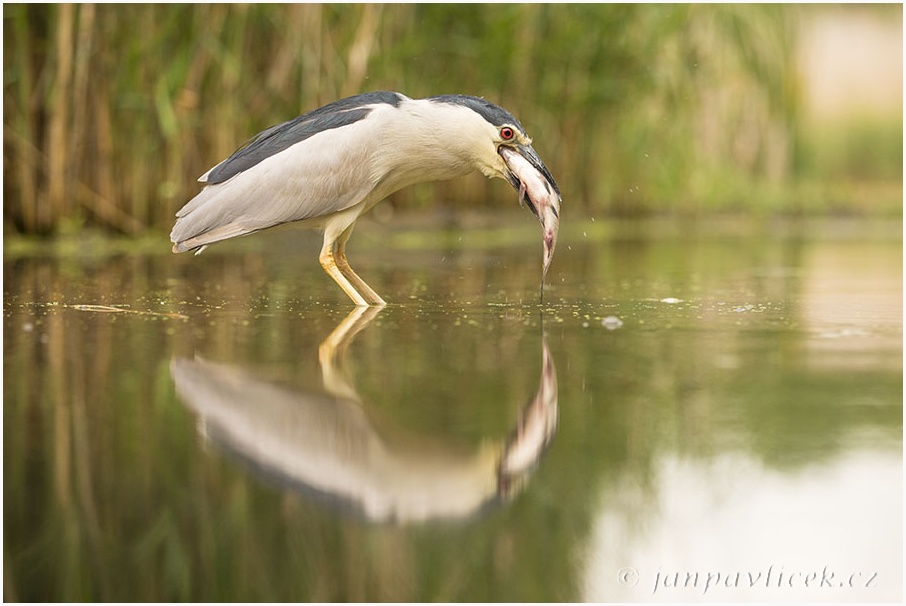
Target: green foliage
[
  {"x": 864, "y": 149},
  {"x": 112, "y": 111}
]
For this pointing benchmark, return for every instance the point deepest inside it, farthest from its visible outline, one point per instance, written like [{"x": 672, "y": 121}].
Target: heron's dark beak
[{"x": 538, "y": 190}]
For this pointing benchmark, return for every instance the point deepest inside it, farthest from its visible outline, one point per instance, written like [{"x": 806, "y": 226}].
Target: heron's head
[{"x": 500, "y": 147}]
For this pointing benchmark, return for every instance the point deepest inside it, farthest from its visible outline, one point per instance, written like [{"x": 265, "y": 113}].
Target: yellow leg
[
  {"x": 372, "y": 297},
  {"x": 333, "y": 260}
]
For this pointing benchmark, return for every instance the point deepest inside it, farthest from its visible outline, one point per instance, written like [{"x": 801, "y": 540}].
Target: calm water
[{"x": 693, "y": 414}]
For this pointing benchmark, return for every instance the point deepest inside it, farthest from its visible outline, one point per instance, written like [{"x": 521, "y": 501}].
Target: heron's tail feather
[
  {"x": 209, "y": 217},
  {"x": 202, "y": 240}
]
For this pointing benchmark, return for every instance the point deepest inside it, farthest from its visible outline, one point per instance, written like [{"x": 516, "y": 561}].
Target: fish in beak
[{"x": 537, "y": 190}]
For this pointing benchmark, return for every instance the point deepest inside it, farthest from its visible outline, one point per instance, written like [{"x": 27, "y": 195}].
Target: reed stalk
[{"x": 112, "y": 111}]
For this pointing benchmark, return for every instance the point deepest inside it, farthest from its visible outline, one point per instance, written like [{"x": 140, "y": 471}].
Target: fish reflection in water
[{"x": 323, "y": 442}]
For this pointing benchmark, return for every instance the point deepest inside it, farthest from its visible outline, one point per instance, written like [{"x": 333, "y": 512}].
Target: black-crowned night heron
[{"x": 331, "y": 165}]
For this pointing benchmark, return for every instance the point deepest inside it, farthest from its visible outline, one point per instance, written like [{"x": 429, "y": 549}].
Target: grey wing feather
[
  {"x": 310, "y": 179},
  {"x": 277, "y": 138},
  {"x": 288, "y": 172}
]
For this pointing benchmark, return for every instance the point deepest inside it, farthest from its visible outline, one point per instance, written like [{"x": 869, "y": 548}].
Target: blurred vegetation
[{"x": 112, "y": 111}]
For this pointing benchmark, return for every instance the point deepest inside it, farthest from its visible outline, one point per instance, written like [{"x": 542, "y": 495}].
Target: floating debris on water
[
  {"x": 844, "y": 333},
  {"x": 671, "y": 300},
  {"x": 611, "y": 323},
  {"x": 114, "y": 309}
]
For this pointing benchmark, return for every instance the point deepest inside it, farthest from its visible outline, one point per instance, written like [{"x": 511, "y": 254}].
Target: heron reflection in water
[{"x": 324, "y": 442}]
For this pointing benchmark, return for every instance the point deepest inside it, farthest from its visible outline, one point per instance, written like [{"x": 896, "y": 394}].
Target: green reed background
[{"x": 112, "y": 111}]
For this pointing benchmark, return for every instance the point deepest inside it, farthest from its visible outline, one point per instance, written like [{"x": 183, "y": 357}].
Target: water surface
[{"x": 693, "y": 413}]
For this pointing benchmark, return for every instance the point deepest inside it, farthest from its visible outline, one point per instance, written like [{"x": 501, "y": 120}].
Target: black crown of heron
[{"x": 326, "y": 168}]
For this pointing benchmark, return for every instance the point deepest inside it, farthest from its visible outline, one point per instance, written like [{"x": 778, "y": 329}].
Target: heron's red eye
[{"x": 506, "y": 133}]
